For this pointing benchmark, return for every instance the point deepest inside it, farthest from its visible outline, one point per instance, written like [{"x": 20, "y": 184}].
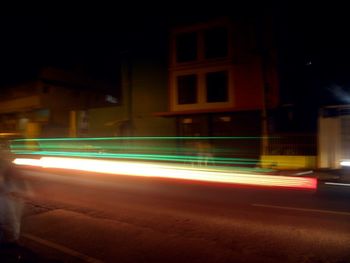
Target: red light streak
[{"x": 169, "y": 171}]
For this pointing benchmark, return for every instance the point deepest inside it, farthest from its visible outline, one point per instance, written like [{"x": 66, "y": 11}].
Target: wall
[
  {"x": 149, "y": 95},
  {"x": 288, "y": 162},
  {"x": 20, "y": 104},
  {"x": 329, "y": 142},
  {"x": 248, "y": 85},
  {"x": 105, "y": 121},
  {"x": 243, "y": 62}
]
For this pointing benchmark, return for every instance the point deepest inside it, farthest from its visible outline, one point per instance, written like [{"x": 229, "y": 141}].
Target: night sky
[
  {"x": 314, "y": 53},
  {"x": 312, "y": 41}
]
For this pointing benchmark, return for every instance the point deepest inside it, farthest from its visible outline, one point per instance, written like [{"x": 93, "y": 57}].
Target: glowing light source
[
  {"x": 345, "y": 163},
  {"x": 143, "y": 138},
  {"x": 159, "y": 157},
  {"x": 168, "y": 171},
  {"x": 9, "y": 134},
  {"x": 338, "y": 184},
  {"x": 195, "y": 150}
]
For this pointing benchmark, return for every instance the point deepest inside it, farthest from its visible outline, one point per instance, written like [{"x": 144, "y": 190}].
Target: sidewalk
[
  {"x": 320, "y": 174},
  {"x": 16, "y": 253}
]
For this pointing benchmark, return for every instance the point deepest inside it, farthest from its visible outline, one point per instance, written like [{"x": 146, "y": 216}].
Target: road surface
[{"x": 88, "y": 217}]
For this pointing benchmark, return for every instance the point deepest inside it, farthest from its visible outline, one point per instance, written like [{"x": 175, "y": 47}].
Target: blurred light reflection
[{"x": 134, "y": 168}]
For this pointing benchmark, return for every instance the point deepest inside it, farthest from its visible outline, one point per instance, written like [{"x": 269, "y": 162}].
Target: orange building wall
[{"x": 248, "y": 86}]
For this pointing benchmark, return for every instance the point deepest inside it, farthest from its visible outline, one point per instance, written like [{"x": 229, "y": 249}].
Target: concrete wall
[
  {"x": 150, "y": 95},
  {"x": 105, "y": 121},
  {"x": 288, "y": 162},
  {"x": 20, "y": 104},
  {"x": 329, "y": 142}
]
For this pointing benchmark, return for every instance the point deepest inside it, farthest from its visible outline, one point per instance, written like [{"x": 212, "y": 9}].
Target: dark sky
[
  {"x": 92, "y": 42},
  {"x": 29, "y": 42},
  {"x": 314, "y": 58},
  {"x": 312, "y": 40}
]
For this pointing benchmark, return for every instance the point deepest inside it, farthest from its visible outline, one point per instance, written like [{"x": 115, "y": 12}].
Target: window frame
[
  {"x": 177, "y": 88},
  {"x": 202, "y": 103}
]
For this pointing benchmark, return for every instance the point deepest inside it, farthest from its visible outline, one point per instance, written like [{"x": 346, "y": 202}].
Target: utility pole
[
  {"x": 264, "y": 56},
  {"x": 126, "y": 76},
  {"x": 264, "y": 112}
]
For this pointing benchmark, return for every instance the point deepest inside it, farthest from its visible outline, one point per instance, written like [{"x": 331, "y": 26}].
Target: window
[
  {"x": 217, "y": 86},
  {"x": 186, "y": 47},
  {"x": 187, "y": 89},
  {"x": 216, "y": 42},
  {"x": 202, "y": 89}
]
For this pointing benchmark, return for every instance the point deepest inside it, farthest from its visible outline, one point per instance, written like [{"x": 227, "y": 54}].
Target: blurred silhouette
[
  {"x": 12, "y": 188},
  {"x": 204, "y": 153}
]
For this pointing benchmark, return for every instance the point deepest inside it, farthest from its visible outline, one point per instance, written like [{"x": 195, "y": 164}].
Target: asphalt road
[{"x": 86, "y": 217}]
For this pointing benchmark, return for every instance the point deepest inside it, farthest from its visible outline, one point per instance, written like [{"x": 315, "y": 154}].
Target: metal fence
[{"x": 292, "y": 144}]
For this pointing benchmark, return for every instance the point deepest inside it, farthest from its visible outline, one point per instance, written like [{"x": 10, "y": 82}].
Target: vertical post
[
  {"x": 264, "y": 117},
  {"x": 127, "y": 89},
  {"x": 73, "y": 124},
  {"x": 264, "y": 56}
]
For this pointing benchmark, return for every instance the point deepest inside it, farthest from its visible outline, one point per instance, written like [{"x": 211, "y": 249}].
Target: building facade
[
  {"x": 222, "y": 78},
  {"x": 43, "y": 106}
]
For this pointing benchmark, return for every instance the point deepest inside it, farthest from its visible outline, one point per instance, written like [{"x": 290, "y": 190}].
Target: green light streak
[
  {"x": 136, "y": 148},
  {"x": 129, "y": 145},
  {"x": 119, "y": 147},
  {"x": 143, "y": 138}
]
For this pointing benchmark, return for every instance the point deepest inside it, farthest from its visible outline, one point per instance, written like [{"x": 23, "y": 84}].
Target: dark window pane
[
  {"x": 186, "y": 47},
  {"x": 187, "y": 89},
  {"x": 217, "y": 86},
  {"x": 216, "y": 42}
]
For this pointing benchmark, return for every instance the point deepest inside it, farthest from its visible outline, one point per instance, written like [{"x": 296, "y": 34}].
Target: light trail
[
  {"x": 345, "y": 163},
  {"x": 185, "y": 149},
  {"x": 337, "y": 184},
  {"x": 142, "y": 138},
  {"x": 157, "y": 157},
  {"x": 169, "y": 171}
]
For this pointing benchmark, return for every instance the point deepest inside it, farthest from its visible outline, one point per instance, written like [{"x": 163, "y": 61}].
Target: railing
[
  {"x": 292, "y": 144},
  {"x": 202, "y": 151}
]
